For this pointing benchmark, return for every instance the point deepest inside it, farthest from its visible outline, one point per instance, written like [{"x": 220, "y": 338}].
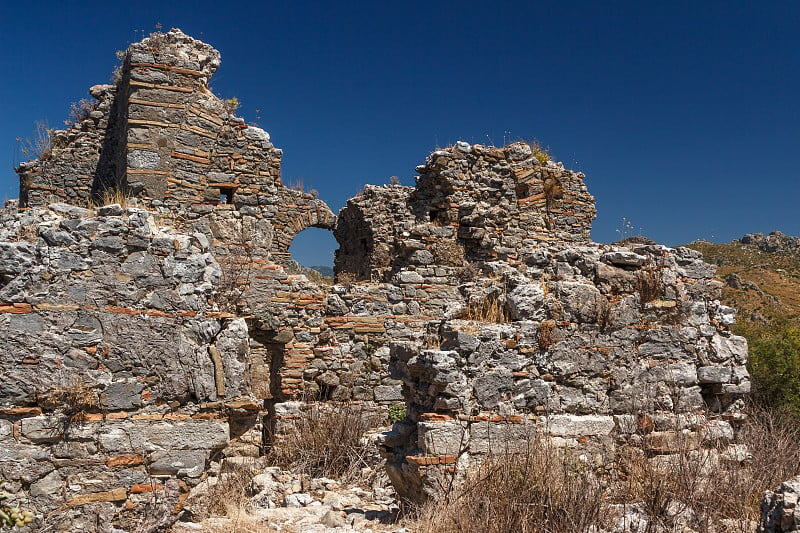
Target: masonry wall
[
  {"x": 471, "y": 204},
  {"x": 142, "y": 342},
  {"x": 83, "y": 158},
  {"x": 598, "y": 346},
  {"x": 162, "y": 139}
]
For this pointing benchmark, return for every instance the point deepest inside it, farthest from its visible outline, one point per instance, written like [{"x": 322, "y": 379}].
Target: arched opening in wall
[{"x": 312, "y": 252}]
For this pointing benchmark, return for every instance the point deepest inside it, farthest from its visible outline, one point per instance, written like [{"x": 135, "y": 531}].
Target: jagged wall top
[
  {"x": 471, "y": 203},
  {"x": 176, "y": 49},
  {"x": 160, "y": 136}
]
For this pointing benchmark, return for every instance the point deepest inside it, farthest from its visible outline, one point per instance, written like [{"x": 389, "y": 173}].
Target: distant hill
[
  {"x": 761, "y": 275},
  {"x": 324, "y": 270},
  {"x": 317, "y": 274}
]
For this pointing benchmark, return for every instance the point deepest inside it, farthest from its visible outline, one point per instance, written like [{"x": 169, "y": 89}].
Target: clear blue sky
[{"x": 685, "y": 116}]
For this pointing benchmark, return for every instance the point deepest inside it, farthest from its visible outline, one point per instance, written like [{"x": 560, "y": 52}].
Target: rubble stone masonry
[{"x": 142, "y": 343}]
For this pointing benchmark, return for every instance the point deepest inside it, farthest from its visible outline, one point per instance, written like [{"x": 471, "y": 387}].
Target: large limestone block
[{"x": 579, "y": 426}]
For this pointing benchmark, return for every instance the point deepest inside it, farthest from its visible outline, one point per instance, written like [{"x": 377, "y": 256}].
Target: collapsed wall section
[{"x": 75, "y": 165}]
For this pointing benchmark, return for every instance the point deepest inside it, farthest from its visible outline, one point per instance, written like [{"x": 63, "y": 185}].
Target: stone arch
[{"x": 314, "y": 214}]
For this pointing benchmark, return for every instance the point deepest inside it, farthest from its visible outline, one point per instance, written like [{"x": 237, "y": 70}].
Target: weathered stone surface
[
  {"x": 189, "y": 463},
  {"x": 388, "y": 393},
  {"x": 49, "y": 486},
  {"x": 577, "y": 426},
  {"x": 97, "y": 497},
  {"x": 122, "y": 395},
  {"x": 442, "y": 438},
  {"x": 486, "y": 437},
  {"x": 779, "y": 508},
  {"x": 42, "y": 428},
  {"x": 148, "y": 340},
  {"x": 526, "y": 302},
  {"x": 624, "y": 258}
]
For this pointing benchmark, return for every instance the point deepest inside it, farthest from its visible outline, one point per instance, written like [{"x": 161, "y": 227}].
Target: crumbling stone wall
[
  {"x": 779, "y": 511},
  {"x": 602, "y": 346},
  {"x": 83, "y": 159},
  {"x": 143, "y": 343},
  {"x": 472, "y": 204},
  {"x": 162, "y": 138},
  {"x": 117, "y": 364}
]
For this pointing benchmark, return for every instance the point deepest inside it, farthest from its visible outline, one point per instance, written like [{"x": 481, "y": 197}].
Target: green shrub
[
  {"x": 397, "y": 412},
  {"x": 775, "y": 366}
]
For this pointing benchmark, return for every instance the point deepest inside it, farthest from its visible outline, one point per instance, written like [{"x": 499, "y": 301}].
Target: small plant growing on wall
[
  {"x": 79, "y": 111},
  {"x": 110, "y": 196},
  {"x": 157, "y": 40},
  {"x": 40, "y": 146},
  {"x": 237, "y": 269},
  {"x": 447, "y": 252},
  {"x": 74, "y": 399},
  {"x": 116, "y": 75},
  {"x": 397, "y": 412},
  {"x": 12, "y": 515},
  {"x": 489, "y": 309},
  {"x": 541, "y": 153},
  {"x": 547, "y": 336},
  {"x": 651, "y": 281},
  {"x": 231, "y": 105}
]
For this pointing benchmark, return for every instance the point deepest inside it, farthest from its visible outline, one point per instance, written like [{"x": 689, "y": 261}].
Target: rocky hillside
[{"x": 761, "y": 274}]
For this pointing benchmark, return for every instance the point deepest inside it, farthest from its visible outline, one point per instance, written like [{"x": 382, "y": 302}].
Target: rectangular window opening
[{"x": 226, "y": 195}]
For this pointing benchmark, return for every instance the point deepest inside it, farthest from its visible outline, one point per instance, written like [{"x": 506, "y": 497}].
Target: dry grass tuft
[
  {"x": 28, "y": 232},
  {"x": 701, "y": 487},
  {"x": 541, "y": 489},
  {"x": 470, "y": 272},
  {"x": 39, "y": 147},
  {"x": 547, "y": 335},
  {"x": 229, "y": 494},
  {"x": 73, "y": 399},
  {"x": 237, "y": 266},
  {"x": 115, "y": 196},
  {"x": 696, "y": 487},
  {"x": 553, "y": 190},
  {"x": 346, "y": 278},
  {"x": 489, "y": 309},
  {"x": 449, "y": 253},
  {"x": 224, "y": 503},
  {"x": 651, "y": 282},
  {"x": 326, "y": 441},
  {"x": 80, "y": 111},
  {"x": 108, "y": 197}
]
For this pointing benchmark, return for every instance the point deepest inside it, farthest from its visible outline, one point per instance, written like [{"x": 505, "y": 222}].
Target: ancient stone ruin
[{"x": 142, "y": 343}]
